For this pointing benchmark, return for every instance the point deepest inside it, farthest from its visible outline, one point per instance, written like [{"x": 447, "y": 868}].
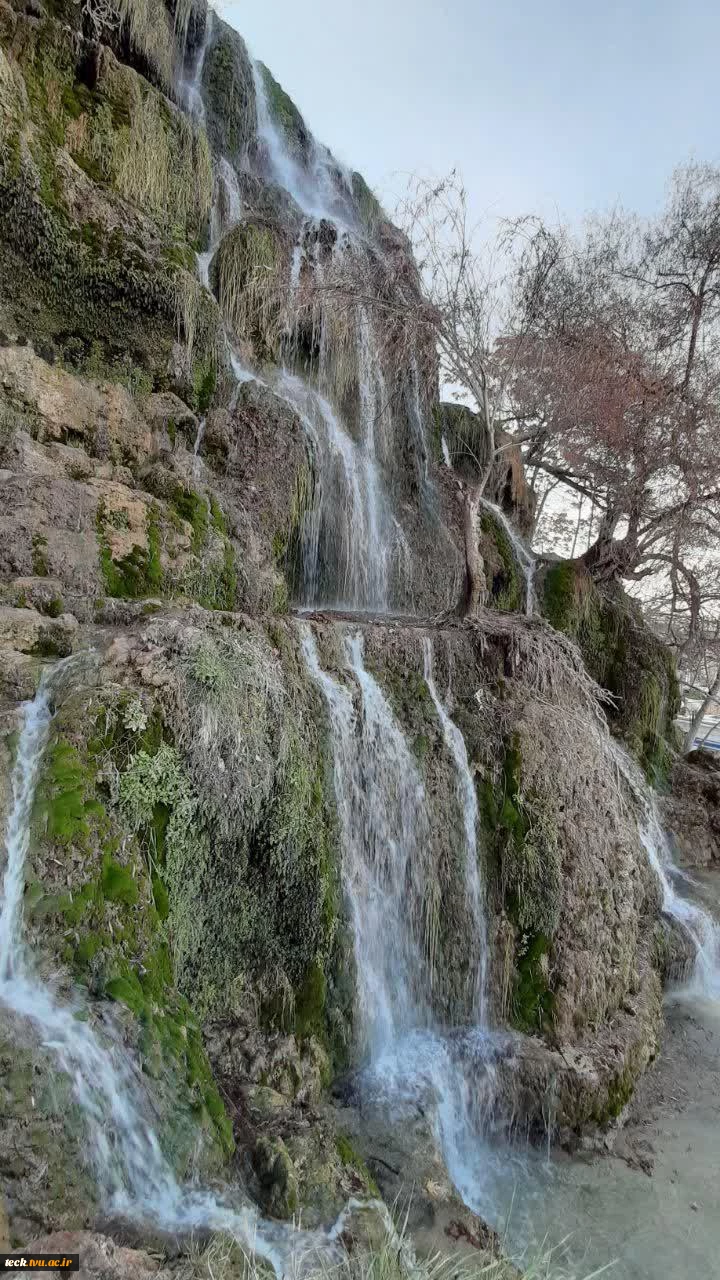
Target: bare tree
[
  {"x": 621, "y": 377},
  {"x": 470, "y": 287}
]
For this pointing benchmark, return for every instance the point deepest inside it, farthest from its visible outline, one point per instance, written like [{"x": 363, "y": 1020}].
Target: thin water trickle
[
  {"x": 468, "y": 799},
  {"x": 190, "y": 90},
  {"x": 525, "y": 559},
  {"x": 697, "y": 923}
]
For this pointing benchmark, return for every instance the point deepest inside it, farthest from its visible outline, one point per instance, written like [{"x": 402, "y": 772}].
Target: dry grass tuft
[
  {"x": 149, "y": 27},
  {"x": 198, "y": 321},
  {"x": 252, "y": 284},
  {"x": 394, "y": 1259},
  {"x": 161, "y": 161}
]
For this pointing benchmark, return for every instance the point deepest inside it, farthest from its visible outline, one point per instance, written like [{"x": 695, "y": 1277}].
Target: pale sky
[{"x": 545, "y": 106}]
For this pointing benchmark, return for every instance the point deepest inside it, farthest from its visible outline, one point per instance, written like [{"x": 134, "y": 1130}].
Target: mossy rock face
[
  {"x": 92, "y": 902},
  {"x": 522, "y": 835},
  {"x": 625, "y": 658},
  {"x": 84, "y": 293},
  {"x": 105, "y": 189},
  {"x": 370, "y": 209},
  {"x": 249, "y": 853},
  {"x": 229, "y": 93},
  {"x": 160, "y": 563},
  {"x": 286, "y": 116},
  {"x": 506, "y": 584}
]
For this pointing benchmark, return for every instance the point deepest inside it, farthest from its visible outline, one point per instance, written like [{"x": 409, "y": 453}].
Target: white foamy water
[
  {"x": 354, "y": 550},
  {"x": 412, "y": 1061},
  {"x": 318, "y": 184},
  {"x": 132, "y": 1175},
  {"x": 385, "y": 838}
]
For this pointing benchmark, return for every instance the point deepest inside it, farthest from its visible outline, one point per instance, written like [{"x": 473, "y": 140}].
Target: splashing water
[
  {"x": 133, "y": 1176},
  {"x": 319, "y": 185},
  {"x": 385, "y": 828},
  {"x": 385, "y": 838},
  {"x": 468, "y": 798},
  {"x": 524, "y": 558}
]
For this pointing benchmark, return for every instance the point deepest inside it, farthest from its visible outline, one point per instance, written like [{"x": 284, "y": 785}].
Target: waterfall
[
  {"x": 353, "y": 549},
  {"x": 703, "y": 930},
  {"x": 132, "y": 1175},
  {"x": 385, "y": 835},
  {"x": 348, "y": 531},
  {"x": 468, "y": 798},
  {"x": 525, "y": 559},
  {"x": 311, "y": 181},
  {"x": 412, "y": 1062},
  {"x": 190, "y": 91}
]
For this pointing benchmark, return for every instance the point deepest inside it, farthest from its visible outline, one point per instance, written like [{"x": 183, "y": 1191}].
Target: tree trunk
[
  {"x": 699, "y": 716},
  {"x": 609, "y": 557},
  {"x": 474, "y": 564}
]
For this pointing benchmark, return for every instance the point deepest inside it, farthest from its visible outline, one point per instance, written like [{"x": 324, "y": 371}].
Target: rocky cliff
[{"x": 202, "y": 427}]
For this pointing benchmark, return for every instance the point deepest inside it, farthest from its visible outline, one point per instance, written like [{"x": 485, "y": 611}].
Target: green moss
[
  {"x": 351, "y": 1160},
  {"x": 193, "y": 508},
  {"x": 217, "y": 516},
  {"x": 625, "y": 658},
  {"x": 137, "y": 574},
  {"x": 506, "y": 583},
  {"x": 371, "y": 210},
  {"x": 65, "y": 799},
  {"x": 532, "y": 999},
  {"x": 523, "y": 844},
  {"x": 127, "y": 990},
  {"x": 204, "y": 384},
  {"x": 160, "y": 898},
  {"x": 229, "y": 93},
  {"x": 52, "y": 608},
  {"x": 57, "y": 280},
  {"x": 285, "y": 114},
  {"x": 310, "y": 1003},
  {"x": 118, "y": 884}
]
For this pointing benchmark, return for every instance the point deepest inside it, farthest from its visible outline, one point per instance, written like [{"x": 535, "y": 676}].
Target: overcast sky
[{"x": 543, "y": 105}]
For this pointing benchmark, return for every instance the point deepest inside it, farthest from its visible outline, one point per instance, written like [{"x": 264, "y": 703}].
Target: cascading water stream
[
  {"x": 354, "y": 551},
  {"x": 468, "y": 799},
  {"x": 133, "y": 1177},
  {"x": 525, "y": 559},
  {"x": 313, "y": 184},
  {"x": 385, "y": 837},
  {"x": 703, "y": 930},
  {"x": 190, "y": 91},
  {"x": 388, "y": 880},
  {"x": 349, "y": 522}
]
